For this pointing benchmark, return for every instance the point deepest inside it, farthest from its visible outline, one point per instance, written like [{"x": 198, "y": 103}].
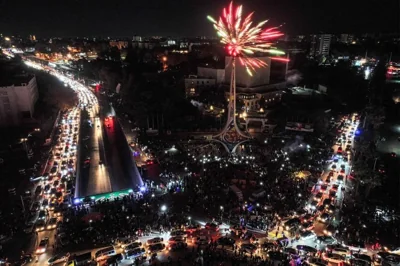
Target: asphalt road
[{"x": 96, "y": 178}]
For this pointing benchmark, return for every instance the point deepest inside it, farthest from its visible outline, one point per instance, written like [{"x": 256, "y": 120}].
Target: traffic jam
[{"x": 54, "y": 190}]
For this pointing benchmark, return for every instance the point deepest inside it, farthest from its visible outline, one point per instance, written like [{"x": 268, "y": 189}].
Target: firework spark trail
[{"x": 243, "y": 39}]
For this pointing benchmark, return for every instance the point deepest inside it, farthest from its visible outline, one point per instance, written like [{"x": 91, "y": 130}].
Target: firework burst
[{"x": 242, "y": 39}]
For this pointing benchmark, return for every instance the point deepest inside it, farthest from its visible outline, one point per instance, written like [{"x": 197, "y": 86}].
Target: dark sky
[{"x": 188, "y": 17}]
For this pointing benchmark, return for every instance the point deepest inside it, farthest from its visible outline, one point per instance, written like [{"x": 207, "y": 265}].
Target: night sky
[{"x": 188, "y": 17}]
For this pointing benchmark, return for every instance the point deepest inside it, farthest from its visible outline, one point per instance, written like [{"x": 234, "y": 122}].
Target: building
[
  {"x": 194, "y": 84},
  {"x": 320, "y": 44},
  {"x": 18, "y": 96},
  {"x": 137, "y": 38},
  {"x": 324, "y": 44},
  {"x": 346, "y": 38},
  {"x": 244, "y": 81},
  {"x": 214, "y": 73},
  {"x": 119, "y": 44}
]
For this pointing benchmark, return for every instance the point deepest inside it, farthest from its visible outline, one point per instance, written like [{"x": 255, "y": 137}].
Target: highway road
[{"x": 95, "y": 179}]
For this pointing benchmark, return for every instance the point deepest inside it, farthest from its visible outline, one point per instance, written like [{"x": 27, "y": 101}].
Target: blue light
[
  {"x": 77, "y": 201},
  {"x": 357, "y": 132},
  {"x": 142, "y": 189}
]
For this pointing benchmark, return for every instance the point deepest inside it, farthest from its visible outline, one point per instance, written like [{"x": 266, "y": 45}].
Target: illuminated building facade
[{"x": 17, "y": 100}]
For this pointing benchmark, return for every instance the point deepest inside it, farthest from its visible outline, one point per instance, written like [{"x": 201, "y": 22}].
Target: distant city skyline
[{"x": 46, "y": 18}]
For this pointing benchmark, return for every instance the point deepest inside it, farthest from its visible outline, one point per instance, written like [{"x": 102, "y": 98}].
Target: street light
[
  {"x": 190, "y": 220},
  {"x": 163, "y": 208}
]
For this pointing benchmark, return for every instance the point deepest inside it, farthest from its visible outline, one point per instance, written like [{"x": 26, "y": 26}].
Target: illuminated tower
[{"x": 242, "y": 40}]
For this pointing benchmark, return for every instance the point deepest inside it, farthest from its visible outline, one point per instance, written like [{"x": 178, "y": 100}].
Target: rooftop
[{"x": 17, "y": 80}]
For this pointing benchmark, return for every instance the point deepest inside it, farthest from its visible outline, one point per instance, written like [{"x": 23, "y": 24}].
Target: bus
[{"x": 104, "y": 253}]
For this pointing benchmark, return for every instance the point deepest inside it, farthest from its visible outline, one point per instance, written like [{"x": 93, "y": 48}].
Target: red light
[
  {"x": 97, "y": 87},
  {"x": 281, "y": 59}
]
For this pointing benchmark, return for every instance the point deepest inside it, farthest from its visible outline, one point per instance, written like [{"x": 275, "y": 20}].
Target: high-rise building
[
  {"x": 324, "y": 44},
  {"x": 18, "y": 96},
  {"x": 346, "y": 38},
  {"x": 32, "y": 38}
]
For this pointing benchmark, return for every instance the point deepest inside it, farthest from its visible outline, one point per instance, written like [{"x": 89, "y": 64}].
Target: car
[
  {"x": 202, "y": 240},
  {"x": 135, "y": 253},
  {"x": 307, "y": 226},
  {"x": 212, "y": 226},
  {"x": 330, "y": 209},
  {"x": 307, "y": 235},
  {"x": 340, "y": 179},
  {"x": 327, "y": 180},
  {"x": 326, "y": 240},
  {"x": 332, "y": 193},
  {"x": 318, "y": 196},
  {"x": 42, "y": 246},
  {"x": 292, "y": 223},
  {"x": 363, "y": 257},
  {"x": 42, "y": 215},
  {"x": 133, "y": 245},
  {"x": 152, "y": 249},
  {"x": 334, "y": 258},
  {"x": 333, "y": 167},
  {"x": 327, "y": 202},
  {"x": 178, "y": 233},
  {"x": 323, "y": 187},
  {"x": 342, "y": 251},
  {"x": 335, "y": 187},
  {"x": 307, "y": 218},
  {"x": 155, "y": 240},
  {"x": 40, "y": 225},
  {"x": 177, "y": 246},
  {"x": 58, "y": 258},
  {"x": 313, "y": 205},
  {"x": 248, "y": 248},
  {"x": 52, "y": 224},
  {"x": 355, "y": 245},
  {"x": 176, "y": 239},
  {"x": 324, "y": 218}
]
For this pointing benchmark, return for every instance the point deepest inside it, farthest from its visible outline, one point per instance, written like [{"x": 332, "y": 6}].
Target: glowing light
[
  {"x": 243, "y": 39},
  {"x": 282, "y": 59}
]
